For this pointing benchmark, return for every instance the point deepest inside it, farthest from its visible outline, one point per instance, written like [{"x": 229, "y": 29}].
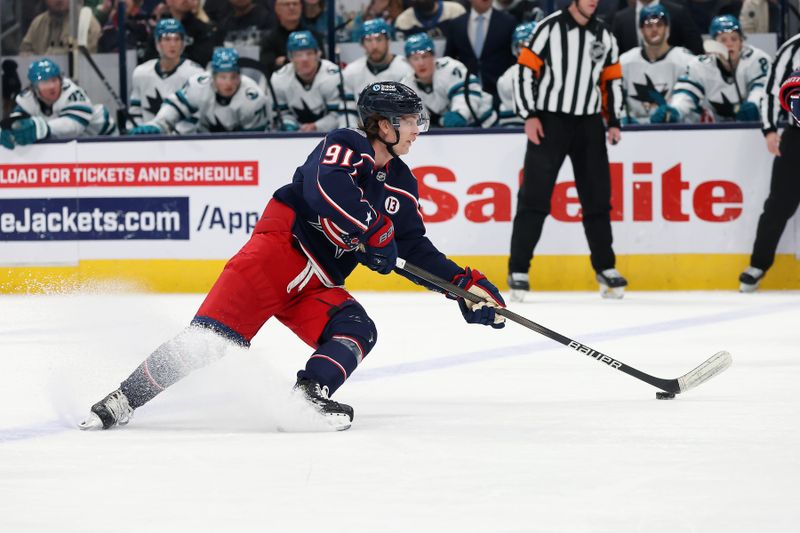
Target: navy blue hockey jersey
[{"x": 336, "y": 195}]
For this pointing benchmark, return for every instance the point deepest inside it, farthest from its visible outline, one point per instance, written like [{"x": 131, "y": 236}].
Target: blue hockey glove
[
  {"x": 482, "y": 313},
  {"x": 7, "y": 139},
  {"x": 748, "y": 112},
  {"x": 30, "y": 130},
  {"x": 665, "y": 114},
  {"x": 453, "y": 119},
  {"x": 145, "y": 129},
  {"x": 377, "y": 249}
]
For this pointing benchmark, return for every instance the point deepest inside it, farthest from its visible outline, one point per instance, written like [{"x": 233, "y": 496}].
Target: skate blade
[
  {"x": 609, "y": 293},
  {"x": 338, "y": 422},
  {"x": 92, "y": 422},
  {"x": 746, "y": 287},
  {"x": 517, "y": 295}
]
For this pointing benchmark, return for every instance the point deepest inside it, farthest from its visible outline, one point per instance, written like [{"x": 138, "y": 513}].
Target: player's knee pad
[
  {"x": 352, "y": 327},
  {"x": 348, "y": 337}
]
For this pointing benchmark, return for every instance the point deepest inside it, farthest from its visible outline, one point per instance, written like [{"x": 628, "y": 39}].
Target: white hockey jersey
[
  {"x": 320, "y": 102},
  {"x": 648, "y": 84},
  {"x": 198, "y": 106},
  {"x": 72, "y": 115},
  {"x": 151, "y": 86},
  {"x": 359, "y": 74},
  {"x": 453, "y": 90},
  {"x": 507, "y": 112},
  {"x": 706, "y": 92}
]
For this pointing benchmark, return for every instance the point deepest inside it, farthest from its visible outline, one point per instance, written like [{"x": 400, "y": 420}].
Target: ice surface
[{"x": 458, "y": 428}]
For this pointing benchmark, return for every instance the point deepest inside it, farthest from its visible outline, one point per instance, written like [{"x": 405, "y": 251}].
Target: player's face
[
  {"x": 170, "y": 46},
  {"x": 376, "y": 46},
  {"x": 654, "y": 32},
  {"x": 49, "y": 90},
  {"x": 733, "y": 42},
  {"x": 409, "y": 130},
  {"x": 227, "y": 83},
  {"x": 423, "y": 65},
  {"x": 305, "y": 62}
]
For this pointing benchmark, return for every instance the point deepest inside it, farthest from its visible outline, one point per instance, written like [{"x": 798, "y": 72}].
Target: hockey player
[
  {"x": 507, "y": 113},
  {"x": 307, "y": 88},
  {"x": 220, "y": 101},
  {"x": 453, "y": 97},
  {"x": 650, "y": 71},
  {"x": 379, "y": 64},
  {"x": 314, "y": 231},
  {"x": 53, "y": 107},
  {"x": 158, "y": 78},
  {"x": 724, "y": 85}
]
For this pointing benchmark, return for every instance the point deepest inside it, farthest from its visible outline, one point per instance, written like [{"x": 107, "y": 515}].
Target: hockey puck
[{"x": 665, "y": 395}]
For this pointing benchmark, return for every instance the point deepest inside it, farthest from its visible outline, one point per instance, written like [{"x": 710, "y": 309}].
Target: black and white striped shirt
[
  {"x": 787, "y": 60},
  {"x": 569, "y": 68}
]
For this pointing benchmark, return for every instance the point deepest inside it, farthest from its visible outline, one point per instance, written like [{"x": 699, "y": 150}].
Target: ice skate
[
  {"x": 612, "y": 284},
  {"x": 750, "y": 279},
  {"x": 110, "y": 411},
  {"x": 338, "y": 415},
  {"x": 519, "y": 285}
]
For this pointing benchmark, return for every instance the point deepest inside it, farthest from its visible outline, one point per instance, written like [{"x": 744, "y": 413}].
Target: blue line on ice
[{"x": 55, "y": 426}]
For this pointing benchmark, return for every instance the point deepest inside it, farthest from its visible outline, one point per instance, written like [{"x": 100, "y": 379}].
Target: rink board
[{"x": 164, "y": 214}]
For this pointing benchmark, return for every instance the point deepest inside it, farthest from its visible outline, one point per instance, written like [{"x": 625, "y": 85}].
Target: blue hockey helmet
[
  {"x": 375, "y": 27},
  {"x": 169, "y": 26},
  {"x": 653, "y": 12},
  {"x": 521, "y": 36},
  {"x": 724, "y": 24},
  {"x": 43, "y": 69},
  {"x": 419, "y": 43},
  {"x": 225, "y": 60},
  {"x": 391, "y": 100},
  {"x": 301, "y": 40}
]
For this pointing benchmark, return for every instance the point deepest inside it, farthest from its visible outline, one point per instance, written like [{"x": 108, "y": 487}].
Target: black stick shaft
[{"x": 669, "y": 385}]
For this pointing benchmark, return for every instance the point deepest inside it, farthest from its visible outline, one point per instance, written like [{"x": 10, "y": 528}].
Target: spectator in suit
[
  {"x": 683, "y": 30},
  {"x": 429, "y": 16},
  {"x": 481, "y": 39}
]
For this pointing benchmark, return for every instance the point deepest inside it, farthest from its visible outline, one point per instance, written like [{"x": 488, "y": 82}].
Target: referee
[
  {"x": 568, "y": 74},
  {"x": 784, "y": 188}
]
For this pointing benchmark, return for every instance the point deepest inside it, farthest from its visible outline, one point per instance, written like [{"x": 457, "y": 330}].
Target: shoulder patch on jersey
[
  {"x": 746, "y": 52},
  {"x": 251, "y": 93},
  {"x": 203, "y": 79},
  {"x": 705, "y": 58},
  {"x": 442, "y": 62}
]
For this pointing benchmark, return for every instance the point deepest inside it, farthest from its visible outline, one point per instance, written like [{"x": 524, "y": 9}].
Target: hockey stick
[
  {"x": 707, "y": 370},
  {"x": 122, "y": 110}
]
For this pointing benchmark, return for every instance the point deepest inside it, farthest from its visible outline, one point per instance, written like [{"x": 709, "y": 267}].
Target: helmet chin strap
[{"x": 390, "y": 146}]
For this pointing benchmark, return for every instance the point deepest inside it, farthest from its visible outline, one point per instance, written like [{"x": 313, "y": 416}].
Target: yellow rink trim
[{"x": 548, "y": 273}]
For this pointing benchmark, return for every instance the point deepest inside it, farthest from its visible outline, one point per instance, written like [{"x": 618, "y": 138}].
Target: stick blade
[{"x": 716, "y": 364}]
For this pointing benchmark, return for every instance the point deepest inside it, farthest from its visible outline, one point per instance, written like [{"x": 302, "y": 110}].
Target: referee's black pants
[
  {"x": 583, "y": 139},
  {"x": 782, "y": 202}
]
